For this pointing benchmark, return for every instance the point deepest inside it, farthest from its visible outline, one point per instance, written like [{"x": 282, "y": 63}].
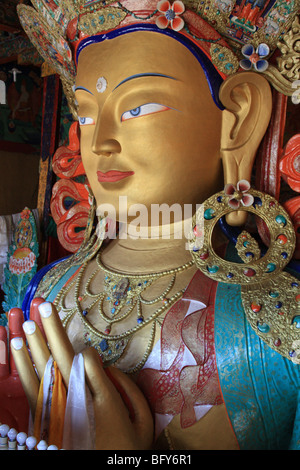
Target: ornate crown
[{"x": 262, "y": 35}]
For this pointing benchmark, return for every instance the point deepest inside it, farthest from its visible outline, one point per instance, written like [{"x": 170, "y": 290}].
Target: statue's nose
[
  {"x": 104, "y": 141},
  {"x": 106, "y": 147}
]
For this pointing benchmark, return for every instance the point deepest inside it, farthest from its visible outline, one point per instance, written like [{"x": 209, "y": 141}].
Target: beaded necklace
[{"x": 123, "y": 293}]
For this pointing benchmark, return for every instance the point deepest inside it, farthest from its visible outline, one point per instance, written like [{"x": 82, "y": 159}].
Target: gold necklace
[{"x": 122, "y": 294}]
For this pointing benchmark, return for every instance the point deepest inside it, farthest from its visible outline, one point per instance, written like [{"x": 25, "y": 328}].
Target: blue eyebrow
[
  {"x": 84, "y": 89},
  {"x": 132, "y": 77}
]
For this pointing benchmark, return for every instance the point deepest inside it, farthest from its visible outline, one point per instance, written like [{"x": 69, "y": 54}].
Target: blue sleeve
[{"x": 295, "y": 441}]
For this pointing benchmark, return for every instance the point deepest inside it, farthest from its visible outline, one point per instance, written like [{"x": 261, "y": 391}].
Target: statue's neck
[{"x": 154, "y": 249}]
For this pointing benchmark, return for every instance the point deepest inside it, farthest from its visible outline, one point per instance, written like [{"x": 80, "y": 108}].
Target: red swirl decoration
[
  {"x": 176, "y": 387},
  {"x": 70, "y": 198},
  {"x": 289, "y": 167},
  {"x": 290, "y": 163}
]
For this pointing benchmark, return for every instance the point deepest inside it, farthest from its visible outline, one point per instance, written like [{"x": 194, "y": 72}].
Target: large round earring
[{"x": 270, "y": 296}]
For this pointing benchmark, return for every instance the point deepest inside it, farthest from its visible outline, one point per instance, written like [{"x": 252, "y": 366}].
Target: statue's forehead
[
  {"x": 114, "y": 62},
  {"x": 101, "y": 86},
  {"x": 134, "y": 51},
  {"x": 102, "y": 65}
]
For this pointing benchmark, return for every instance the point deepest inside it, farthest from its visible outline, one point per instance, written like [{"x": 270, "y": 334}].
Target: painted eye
[
  {"x": 143, "y": 110},
  {"x": 86, "y": 121}
]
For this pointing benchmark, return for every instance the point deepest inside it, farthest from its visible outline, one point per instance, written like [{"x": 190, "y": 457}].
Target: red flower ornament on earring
[
  {"x": 238, "y": 195},
  {"x": 170, "y": 15}
]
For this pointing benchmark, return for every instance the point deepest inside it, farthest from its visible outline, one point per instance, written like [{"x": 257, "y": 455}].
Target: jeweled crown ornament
[{"x": 234, "y": 35}]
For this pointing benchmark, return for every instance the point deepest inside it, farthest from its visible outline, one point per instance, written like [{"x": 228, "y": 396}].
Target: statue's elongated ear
[{"x": 248, "y": 101}]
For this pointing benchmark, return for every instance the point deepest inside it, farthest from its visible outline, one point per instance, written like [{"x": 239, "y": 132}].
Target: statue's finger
[
  {"x": 37, "y": 345},
  {"x": 27, "y": 374},
  {"x": 96, "y": 378},
  {"x": 59, "y": 343},
  {"x": 4, "y": 365},
  {"x": 141, "y": 414},
  {"x": 110, "y": 411},
  {"x": 15, "y": 322},
  {"x": 35, "y": 314},
  {"x": 102, "y": 383},
  {"x": 118, "y": 403}
]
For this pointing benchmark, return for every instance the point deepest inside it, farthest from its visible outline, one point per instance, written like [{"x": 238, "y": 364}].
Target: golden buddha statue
[{"x": 163, "y": 347}]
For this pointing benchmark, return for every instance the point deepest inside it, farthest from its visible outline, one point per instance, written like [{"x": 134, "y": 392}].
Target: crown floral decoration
[{"x": 258, "y": 35}]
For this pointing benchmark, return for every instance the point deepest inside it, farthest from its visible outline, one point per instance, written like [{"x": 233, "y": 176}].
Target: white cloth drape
[
  {"x": 78, "y": 433},
  {"x": 79, "y": 422}
]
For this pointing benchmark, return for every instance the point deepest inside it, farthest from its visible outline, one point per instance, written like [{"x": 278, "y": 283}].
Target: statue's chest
[{"x": 122, "y": 319}]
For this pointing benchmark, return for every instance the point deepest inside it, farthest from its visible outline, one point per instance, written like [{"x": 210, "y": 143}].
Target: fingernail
[
  {"x": 45, "y": 309},
  {"x": 17, "y": 343},
  {"x": 29, "y": 327}
]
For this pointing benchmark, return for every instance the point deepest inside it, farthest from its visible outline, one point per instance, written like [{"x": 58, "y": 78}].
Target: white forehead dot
[{"x": 101, "y": 84}]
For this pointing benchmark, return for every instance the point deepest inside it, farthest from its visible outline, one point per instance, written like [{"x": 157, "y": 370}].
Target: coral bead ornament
[{"x": 255, "y": 307}]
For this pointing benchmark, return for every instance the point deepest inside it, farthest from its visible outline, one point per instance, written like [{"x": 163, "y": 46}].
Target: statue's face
[{"x": 151, "y": 132}]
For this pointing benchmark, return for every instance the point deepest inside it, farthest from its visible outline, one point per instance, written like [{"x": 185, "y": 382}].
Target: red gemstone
[
  {"x": 204, "y": 255},
  {"x": 282, "y": 239},
  {"x": 255, "y": 307},
  {"x": 107, "y": 331},
  {"x": 254, "y": 58},
  {"x": 198, "y": 232},
  {"x": 249, "y": 272},
  {"x": 277, "y": 342}
]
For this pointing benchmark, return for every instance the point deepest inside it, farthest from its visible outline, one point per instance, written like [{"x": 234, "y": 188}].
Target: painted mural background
[{"x": 21, "y": 116}]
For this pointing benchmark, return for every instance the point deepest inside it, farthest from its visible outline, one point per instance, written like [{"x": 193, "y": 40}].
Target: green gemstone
[
  {"x": 296, "y": 321},
  {"x": 213, "y": 269},
  {"x": 280, "y": 220},
  {"x": 273, "y": 294},
  {"x": 263, "y": 327},
  {"x": 209, "y": 214},
  {"x": 271, "y": 267}
]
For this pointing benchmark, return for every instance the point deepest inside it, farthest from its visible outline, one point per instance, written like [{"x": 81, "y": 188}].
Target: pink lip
[{"x": 113, "y": 176}]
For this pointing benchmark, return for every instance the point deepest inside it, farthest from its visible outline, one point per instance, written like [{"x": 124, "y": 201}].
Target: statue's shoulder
[
  {"x": 52, "y": 274},
  {"x": 45, "y": 281},
  {"x": 55, "y": 275}
]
